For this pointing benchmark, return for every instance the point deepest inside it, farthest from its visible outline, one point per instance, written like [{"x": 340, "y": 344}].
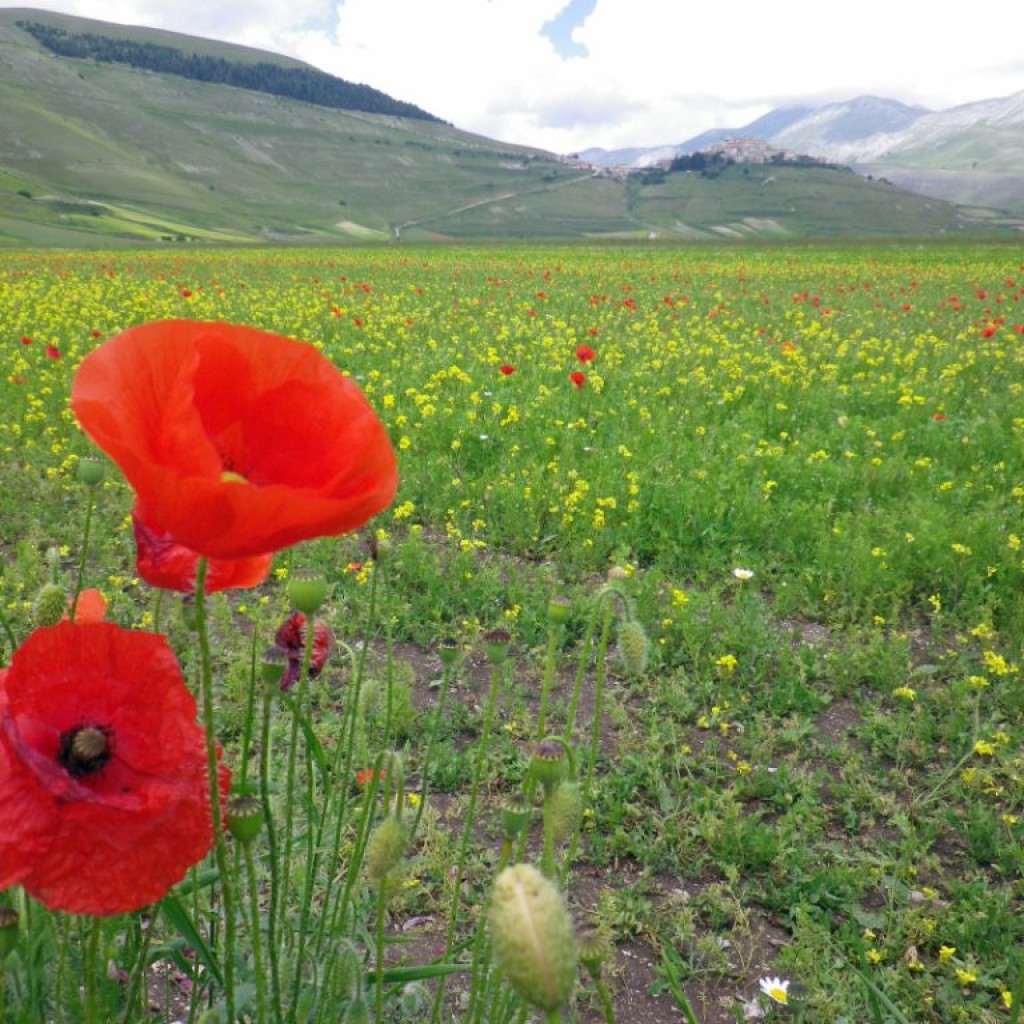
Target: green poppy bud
[
  {"x": 633, "y": 647},
  {"x": 51, "y": 605},
  {"x": 357, "y": 1012},
  {"x": 548, "y": 765},
  {"x": 559, "y": 609},
  {"x": 496, "y": 643},
  {"x": 593, "y": 948},
  {"x": 414, "y": 1000},
  {"x": 90, "y": 472},
  {"x": 245, "y": 817},
  {"x": 532, "y": 935},
  {"x": 515, "y": 816},
  {"x": 448, "y": 651},
  {"x": 272, "y": 666},
  {"x": 307, "y": 590},
  {"x": 566, "y": 810},
  {"x": 385, "y": 849},
  {"x": 349, "y": 970}
]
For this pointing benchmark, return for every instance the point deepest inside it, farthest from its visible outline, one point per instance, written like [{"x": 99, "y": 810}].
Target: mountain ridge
[{"x": 962, "y": 154}]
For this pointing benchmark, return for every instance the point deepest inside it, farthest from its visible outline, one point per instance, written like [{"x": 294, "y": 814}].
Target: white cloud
[{"x": 654, "y": 73}]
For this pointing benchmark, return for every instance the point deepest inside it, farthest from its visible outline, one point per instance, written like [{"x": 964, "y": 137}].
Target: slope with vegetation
[{"x": 154, "y": 136}]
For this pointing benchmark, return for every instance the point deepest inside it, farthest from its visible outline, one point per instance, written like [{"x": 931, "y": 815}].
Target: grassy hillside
[
  {"x": 98, "y": 154},
  {"x": 797, "y": 202}
]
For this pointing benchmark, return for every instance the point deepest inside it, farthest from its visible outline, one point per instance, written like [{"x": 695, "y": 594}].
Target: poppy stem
[
  {"x": 482, "y": 750},
  {"x": 92, "y": 971},
  {"x": 219, "y": 841},
  {"x": 89, "y": 506}
]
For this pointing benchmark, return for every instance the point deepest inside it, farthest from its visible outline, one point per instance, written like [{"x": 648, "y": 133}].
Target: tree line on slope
[{"x": 296, "y": 83}]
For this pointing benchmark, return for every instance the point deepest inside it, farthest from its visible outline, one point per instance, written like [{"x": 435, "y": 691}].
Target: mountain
[
  {"x": 119, "y": 135},
  {"x": 971, "y": 154}
]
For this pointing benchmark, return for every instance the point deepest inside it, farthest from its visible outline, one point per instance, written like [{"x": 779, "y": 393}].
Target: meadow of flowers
[{"x": 666, "y": 601}]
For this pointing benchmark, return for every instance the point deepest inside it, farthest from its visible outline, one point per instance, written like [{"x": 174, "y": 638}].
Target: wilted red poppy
[
  {"x": 290, "y": 640},
  {"x": 237, "y": 442},
  {"x": 585, "y": 354},
  {"x": 579, "y": 379},
  {"x": 162, "y": 562},
  {"x": 104, "y": 797}
]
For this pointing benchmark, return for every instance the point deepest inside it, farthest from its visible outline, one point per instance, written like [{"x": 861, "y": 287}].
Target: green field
[{"x": 780, "y": 489}]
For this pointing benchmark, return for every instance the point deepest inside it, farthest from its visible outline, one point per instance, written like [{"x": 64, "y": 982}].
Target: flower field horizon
[{"x": 780, "y": 492}]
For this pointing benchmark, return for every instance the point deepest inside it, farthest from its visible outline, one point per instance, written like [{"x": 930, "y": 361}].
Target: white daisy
[
  {"x": 776, "y": 989},
  {"x": 743, "y": 574}
]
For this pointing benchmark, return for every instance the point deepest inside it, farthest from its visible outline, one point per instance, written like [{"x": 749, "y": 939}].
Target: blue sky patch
[{"x": 560, "y": 28}]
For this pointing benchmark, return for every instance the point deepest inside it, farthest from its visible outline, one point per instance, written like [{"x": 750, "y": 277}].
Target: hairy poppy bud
[
  {"x": 633, "y": 647},
  {"x": 51, "y": 605},
  {"x": 533, "y": 938},
  {"x": 357, "y": 1012},
  {"x": 386, "y": 848},
  {"x": 307, "y": 590},
  {"x": 414, "y": 1000},
  {"x": 349, "y": 968},
  {"x": 566, "y": 810}
]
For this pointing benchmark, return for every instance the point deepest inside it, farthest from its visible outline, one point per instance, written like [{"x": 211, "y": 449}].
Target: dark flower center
[{"x": 85, "y": 749}]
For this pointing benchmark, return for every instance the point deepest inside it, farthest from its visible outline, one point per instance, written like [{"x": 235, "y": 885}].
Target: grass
[{"x": 817, "y": 772}]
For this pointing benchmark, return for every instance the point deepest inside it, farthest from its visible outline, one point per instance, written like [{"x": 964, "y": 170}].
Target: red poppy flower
[
  {"x": 236, "y": 441},
  {"x": 366, "y": 775},
  {"x": 104, "y": 798},
  {"x": 91, "y": 607},
  {"x": 162, "y": 562},
  {"x": 52, "y": 352},
  {"x": 579, "y": 379},
  {"x": 506, "y": 370},
  {"x": 585, "y": 354},
  {"x": 290, "y": 640},
  {"x": 26, "y": 340}
]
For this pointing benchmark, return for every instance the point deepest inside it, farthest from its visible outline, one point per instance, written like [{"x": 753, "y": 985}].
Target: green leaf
[{"x": 178, "y": 917}]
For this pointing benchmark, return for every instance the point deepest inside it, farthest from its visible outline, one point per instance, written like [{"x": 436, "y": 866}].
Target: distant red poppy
[
  {"x": 104, "y": 799},
  {"x": 290, "y": 640},
  {"x": 162, "y": 562},
  {"x": 26, "y": 340},
  {"x": 53, "y": 352},
  {"x": 579, "y": 379},
  {"x": 939, "y": 417},
  {"x": 366, "y": 775},
  {"x": 237, "y": 442},
  {"x": 506, "y": 370},
  {"x": 988, "y": 331},
  {"x": 585, "y": 354}
]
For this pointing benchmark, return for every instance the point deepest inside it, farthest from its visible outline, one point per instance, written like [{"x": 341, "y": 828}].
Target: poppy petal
[{"x": 237, "y": 442}]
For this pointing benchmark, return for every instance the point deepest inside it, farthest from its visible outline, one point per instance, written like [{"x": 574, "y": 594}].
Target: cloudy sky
[{"x": 565, "y": 75}]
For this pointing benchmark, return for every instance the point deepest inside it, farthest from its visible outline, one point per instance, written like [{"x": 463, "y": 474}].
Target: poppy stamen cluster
[{"x": 85, "y": 749}]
